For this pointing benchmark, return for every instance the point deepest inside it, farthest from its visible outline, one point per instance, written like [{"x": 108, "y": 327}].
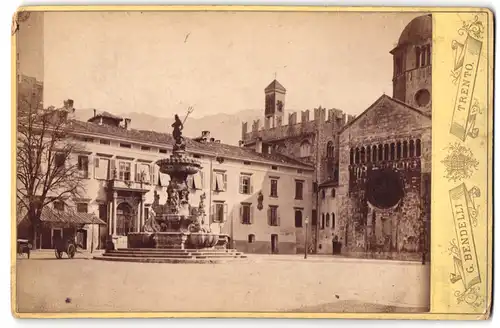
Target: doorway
[
  {"x": 124, "y": 219},
  {"x": 81, "y": 238},
  {"x": 57, "y": 234},
  {"x": 274, "y": 244}
]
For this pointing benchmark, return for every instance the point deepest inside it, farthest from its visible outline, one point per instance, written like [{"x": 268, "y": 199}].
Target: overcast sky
[{"x": 160, "y": 63}]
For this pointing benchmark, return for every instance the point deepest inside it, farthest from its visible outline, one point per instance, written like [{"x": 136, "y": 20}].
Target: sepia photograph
[{"x": 223, "y": 161}]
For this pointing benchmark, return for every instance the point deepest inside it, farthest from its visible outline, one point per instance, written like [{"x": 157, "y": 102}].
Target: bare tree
[{"x": 46, "y": 171}]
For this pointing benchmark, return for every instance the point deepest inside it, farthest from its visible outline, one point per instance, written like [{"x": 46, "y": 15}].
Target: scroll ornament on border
[
  {"x": 466, "y": 62},
  {"x": 463, "y": 248}
]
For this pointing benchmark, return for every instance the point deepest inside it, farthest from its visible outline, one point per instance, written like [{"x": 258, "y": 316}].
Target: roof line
[
  {"x": 383, "y": 97},
  {"x": 299, "y": 164}
]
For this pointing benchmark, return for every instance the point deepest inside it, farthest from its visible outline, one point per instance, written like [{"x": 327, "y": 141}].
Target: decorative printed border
[{"x": 466, "y": 63}]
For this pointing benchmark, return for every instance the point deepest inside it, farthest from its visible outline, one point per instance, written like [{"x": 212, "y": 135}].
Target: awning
[
  {"x": 71, "y": 217},
  {"x": 50, "y": 215}
]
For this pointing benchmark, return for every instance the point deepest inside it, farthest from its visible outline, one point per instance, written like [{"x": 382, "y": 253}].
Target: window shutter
[
  {"x": 225, "y": 181},
  {"x": 241, "y": 213},
  {"x": 241, "y": 184},
  {"x": 269, "y": 217},
  {"x": 214, "y": 181},
  {"x": 225, "y": 212},
  {"x": 251, "y": 185},
  {"x": 278, "y": 216},
  {"x": 96, "y": 166},
  {"x": 137, "y": 173},
  {"x": 251, "y": 214},
  {"x": 212, "y": 213},
  {"x": 151, "y": 173},
  {"x": 112, "y": 168}
]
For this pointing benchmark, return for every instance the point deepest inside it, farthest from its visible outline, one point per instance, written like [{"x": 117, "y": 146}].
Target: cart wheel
[
  {"x": 71, "y": 251},
  {"x": 58, "y": 254}
]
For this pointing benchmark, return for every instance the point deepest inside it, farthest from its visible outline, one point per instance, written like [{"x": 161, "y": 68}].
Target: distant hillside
[{"x": 225, "y": 127}]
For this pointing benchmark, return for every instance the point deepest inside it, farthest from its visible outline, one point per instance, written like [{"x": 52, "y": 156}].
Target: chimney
[
  {"x": 240, "y": 143},
  {"x": 205, "y": 135},
  {"x": 258, "y": 145},
  {"x": 212, "y": 139},
  {"x": 95, "y": 112},
  {"x": 128, "y": 122},
  {"x": 217, "y": 141}
]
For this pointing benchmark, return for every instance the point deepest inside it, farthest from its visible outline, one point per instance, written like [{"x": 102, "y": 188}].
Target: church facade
[{"x": 372, "y": 172}]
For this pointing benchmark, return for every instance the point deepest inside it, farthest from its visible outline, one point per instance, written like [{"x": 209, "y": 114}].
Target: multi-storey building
[
  {"x": 372, "y": 172},
  {"x": 312, "y": 141},
  {"x": 259, "y": 199}
]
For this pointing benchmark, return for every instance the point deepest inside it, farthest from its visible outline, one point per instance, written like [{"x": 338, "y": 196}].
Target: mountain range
[{"x": 223, "y": 127}]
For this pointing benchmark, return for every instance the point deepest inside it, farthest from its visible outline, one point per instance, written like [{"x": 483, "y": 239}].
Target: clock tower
[{"x": 274, "y": 104}]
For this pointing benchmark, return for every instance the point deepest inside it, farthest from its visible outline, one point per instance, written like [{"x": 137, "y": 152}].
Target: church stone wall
[{"x": 365, "y": 229}]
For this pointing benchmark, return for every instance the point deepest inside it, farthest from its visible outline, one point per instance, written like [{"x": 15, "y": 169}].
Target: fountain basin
[
  {"x": 173, "y": 240},
  {"x": 198, "y": 240},
  {"x": 179, "y": 166}
]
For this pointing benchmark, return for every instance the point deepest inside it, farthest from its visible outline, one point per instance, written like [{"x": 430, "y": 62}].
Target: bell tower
[
  {"x": 274, "y": 104},
  {"x": 413, "y": 65}
]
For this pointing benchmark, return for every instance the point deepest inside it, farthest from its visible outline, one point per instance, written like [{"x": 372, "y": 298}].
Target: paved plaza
[{"x": 263, "y": 283}]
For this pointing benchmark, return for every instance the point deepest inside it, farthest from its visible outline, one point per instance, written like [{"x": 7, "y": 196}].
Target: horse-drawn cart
[
  {"x": 67, "y": 246},
  {"x": 23, "y": 247}
]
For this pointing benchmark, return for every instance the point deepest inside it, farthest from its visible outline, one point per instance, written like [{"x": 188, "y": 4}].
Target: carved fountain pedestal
[{"x": 176, "y": 231}]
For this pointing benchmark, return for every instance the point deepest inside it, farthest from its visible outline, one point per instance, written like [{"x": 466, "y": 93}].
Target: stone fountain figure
[{"x": 176, "y": 224}]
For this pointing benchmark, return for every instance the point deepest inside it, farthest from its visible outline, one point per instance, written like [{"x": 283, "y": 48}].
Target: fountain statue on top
[{"x": 176, "y": 224}]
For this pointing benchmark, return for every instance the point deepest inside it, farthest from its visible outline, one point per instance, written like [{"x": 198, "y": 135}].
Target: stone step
[
  {"x": 187, "y": 255},
  {"x": 177, "y": 250},
  {"x": 173, "y": 256},
  {"x": 169, "y": 260},
  {"x": 209, "y": 252},
  {"x": 219, "y": 256}
]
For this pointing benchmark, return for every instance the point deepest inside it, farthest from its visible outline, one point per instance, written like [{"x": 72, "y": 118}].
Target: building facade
[
  {"x": 372, "y": 172},
  {"x": 258, "y": 199}
]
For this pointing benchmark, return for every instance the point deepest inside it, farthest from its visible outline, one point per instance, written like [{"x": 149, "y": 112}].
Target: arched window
[
  {"x": 380, "y": 153},
  {"x": 333, "y": 220},
  {"x": 417, "y": 56},
  {"x": 298, "y": 219},
  {"x": 363, "y": 155},
  {"x": 374, "y": 153},
  {"x": 393, "y": 151},
  {"x": 405, "y": 149},
  {"x": 418, "y": 152},
  {"x": 356, "y": 156},
  {"x": 386, "y": 152},
  {"x": 351, "y": 156},
  {"x": 323, "y": 221},
  {"x": 398, "y": 151},
  {"x": 412, "y": 148},
  {"x": 251, "y": 238},
  {"x": 330, "y": 150},
  {"x": 368, "y": 154},
  {"x": 333, "y": 192},
  {"x": 323, "y": 194},
  {"x": 327, "y": 224},
  {"x": 305, "y": 149}
]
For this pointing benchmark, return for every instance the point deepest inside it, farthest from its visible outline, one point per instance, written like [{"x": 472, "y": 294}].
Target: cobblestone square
[{"x": 263, "y": 283}]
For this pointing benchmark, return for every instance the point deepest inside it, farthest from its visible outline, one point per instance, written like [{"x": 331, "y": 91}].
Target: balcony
[{"x": 128, "y": 185}]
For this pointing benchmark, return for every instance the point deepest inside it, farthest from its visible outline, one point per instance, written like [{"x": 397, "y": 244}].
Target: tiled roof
[
  {"x": 107, "y": 115},
  {"x": 275, "y": 85},
  {"x": 72, "y": 217},
  {"x": 167, "y": 140}
]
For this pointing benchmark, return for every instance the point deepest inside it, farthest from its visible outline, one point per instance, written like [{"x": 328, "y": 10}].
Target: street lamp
[{"x": 306, "y": 242}]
